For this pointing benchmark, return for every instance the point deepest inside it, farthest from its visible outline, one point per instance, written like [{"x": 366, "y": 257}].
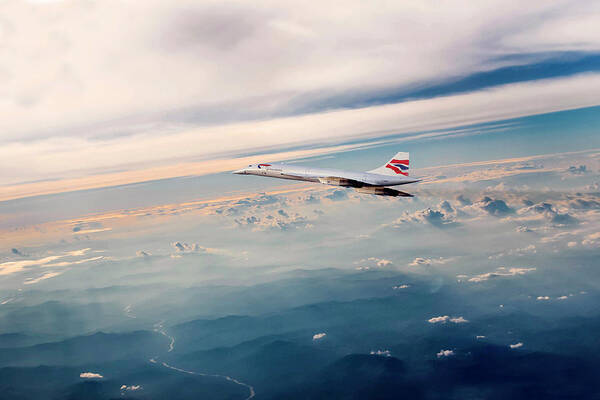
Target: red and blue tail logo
[{"x": 398, "y": 166}]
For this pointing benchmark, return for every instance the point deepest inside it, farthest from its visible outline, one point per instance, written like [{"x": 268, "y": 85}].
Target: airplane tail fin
[{"x": 398, "y": 165}]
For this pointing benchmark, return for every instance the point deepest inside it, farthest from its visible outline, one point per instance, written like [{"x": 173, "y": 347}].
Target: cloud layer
[{"x": 215, "y": 79}]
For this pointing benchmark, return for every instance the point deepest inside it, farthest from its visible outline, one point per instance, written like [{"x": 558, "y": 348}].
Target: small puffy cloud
[
  {"x": 385, "y": 353},
  {"x": 130, "y": 387},
  {"x": 337, "y": 195},
  {"x": 516, "y": 345},
  {"x": 375, "y": 263},
  {"x": 380, "y": 262},
  {"x": 142, "y": 253},
  {"x": 445, "y": 353},
  {"x": 556, "y": 218},
  {"x": 251, "y": 220},
  {"x": 318, "y": 336},
  {"x": 90, "y": 375},
  {"x": 501, "y": 272},
  {"x": 442, "y": 319},
  {"x": 182, "y": 247},
  {"x": 543, "y": 298},
  {"x": 429, "y": 261},
  {"x": 437, "y": 218},
  {"x": 399, "y": 287},
  {"x": 312, "y": 199},
  {"x": 495, "y": 207},
  {"x": 562, "y": 297},
  {"x": 480, "y": 337},
  {"x": 572, "y": 244},
  {"x": 523, "y": 229}
]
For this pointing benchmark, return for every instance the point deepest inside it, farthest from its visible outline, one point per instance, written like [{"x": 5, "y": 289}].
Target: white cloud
[
  {"x": 318, "y": 336},
  {"x": 543, "y": 298},
  {"x": 501, "y": 272},
  {"x": 592, "y": 240},
  {"x": 308, "y": 49},
  {"x": 90, "y": 375},
  {"x": 440, "y": 319},
  {"x": 480, "y": 337},
  {"x": 434, "y": 217},
  {"x": 10, "y": 267},
  {"x": 429, "y": 261},
  {"x": 445, "y": 353},
  {"x": 77, "y": 262},
  {"x": 380, "y": 262},
  {"x": 516, "y": 345},
  {"x": 130, "y": 387},
  {"x": 385, "y": 353},
  {"x": 398, "y": 287},
  {"x": 48, "y": 275},
  {"x": 562, "y": 297},
  {"x": 196, "y": 64},
  {"x": 182, "y": 247}
]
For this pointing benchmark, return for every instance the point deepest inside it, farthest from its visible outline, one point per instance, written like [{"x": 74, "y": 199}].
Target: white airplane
[{"x": 392, "y": 173}]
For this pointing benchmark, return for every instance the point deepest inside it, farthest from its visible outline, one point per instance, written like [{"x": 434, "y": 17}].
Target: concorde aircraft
[{"x": 377, "y": 181}]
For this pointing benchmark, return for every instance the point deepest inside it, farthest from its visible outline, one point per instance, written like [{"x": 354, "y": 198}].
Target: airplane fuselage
[
  {"x": 377, "y": 181},
  {"x": 312, "y": 174}
]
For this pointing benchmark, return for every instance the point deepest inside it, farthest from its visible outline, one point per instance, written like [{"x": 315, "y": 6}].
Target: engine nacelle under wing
[
  {"x": 382, "y": 191},
  {"x": 335, "y": 181}
]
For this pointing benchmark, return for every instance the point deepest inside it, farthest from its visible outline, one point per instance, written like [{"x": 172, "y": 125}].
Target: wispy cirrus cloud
[
  {"x": 47, "y": 275},
  {"x": 11, "y": 267}
]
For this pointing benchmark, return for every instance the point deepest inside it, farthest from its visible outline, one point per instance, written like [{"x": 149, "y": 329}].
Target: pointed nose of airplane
[{"x": 239, "y": 171}]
